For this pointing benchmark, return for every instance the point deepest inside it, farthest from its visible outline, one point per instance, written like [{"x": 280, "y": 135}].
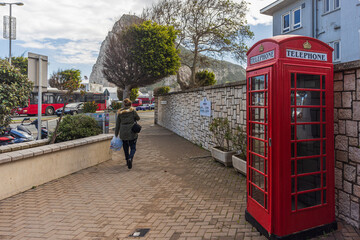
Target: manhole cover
[{"x": 140, "y": 232}]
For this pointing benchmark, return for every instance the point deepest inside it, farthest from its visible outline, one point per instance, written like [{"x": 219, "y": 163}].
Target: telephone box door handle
[{"x": 269, "y": 142}]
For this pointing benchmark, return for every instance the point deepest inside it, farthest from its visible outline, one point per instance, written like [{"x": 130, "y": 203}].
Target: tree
[
  {"x": 21, "y": 63},
  {"x": 205, "y": 78},
  {"x": 68, "y": 80},
  {"x": 134, "y": 94},
  {"x": 212, "y": 27},
  {"x": 15, "y": 89},
  {"x": 141, "y": 55}
]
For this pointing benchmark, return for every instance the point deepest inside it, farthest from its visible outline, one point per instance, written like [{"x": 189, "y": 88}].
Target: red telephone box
[{"x": 290, "y": 160}]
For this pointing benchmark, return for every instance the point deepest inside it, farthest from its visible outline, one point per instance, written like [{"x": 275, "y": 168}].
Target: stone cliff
[{"x": 224, "y": 71}]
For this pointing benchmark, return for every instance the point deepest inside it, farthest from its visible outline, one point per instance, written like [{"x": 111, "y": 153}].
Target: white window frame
[
  {"x": 336, "y": 7},
  {"x": 327, "y": 7},
  {"x": 332, "y": 44},
  {"x": 334, "y": 53},
  {"x": 283, "y": 29},
  {"x": 298, "y": 25}
]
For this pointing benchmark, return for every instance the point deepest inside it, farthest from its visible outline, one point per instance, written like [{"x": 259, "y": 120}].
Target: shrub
[
  {"x": 205, "y": 78},
  {"x": 161, "y": 90},
  {"x": 115, "y": 105},
  {"x": 90, "y": 107},
  {"x": 77, "y": 126},
  {"x": 134, "y": 94},
  {"x": 239, "y": 142},
  {"x": 221, "y": 130}
]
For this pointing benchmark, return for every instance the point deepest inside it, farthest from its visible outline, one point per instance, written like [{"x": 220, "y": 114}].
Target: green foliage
[
  {"x": 205, "y": 78},
  {"x": 239, "y": 142},
  {"x": 141, "y": 55},
  {"x": 68, "y": 80},
  {"x": 161, "y": 90},
  {"x": 15, "y": 89},
  {"x": 21, "y": 63},
  {"x": 154, "y": 48},
  {"x": 134, "y": 94},
  {"x": 116, "y": 105},
  {"x": 220, "y": 127},
  {"x": 90, "y": 107},
  {"x": 77, "y": 126}
]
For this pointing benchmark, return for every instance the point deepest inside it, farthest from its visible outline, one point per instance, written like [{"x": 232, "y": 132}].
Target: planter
[
  {"x": 239, "y": 164},
  {"x": 222, "y": 156},
  {"x": 22, "y": 169}
]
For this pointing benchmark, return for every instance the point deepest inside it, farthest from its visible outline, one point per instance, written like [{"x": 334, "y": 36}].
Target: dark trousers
[{"x": 129, "y": 144}]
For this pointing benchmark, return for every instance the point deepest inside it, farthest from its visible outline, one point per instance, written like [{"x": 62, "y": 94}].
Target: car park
[{"x": 71, "y": 108}]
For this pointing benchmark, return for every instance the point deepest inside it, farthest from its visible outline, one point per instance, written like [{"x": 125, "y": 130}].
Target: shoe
[
  {"x": 127, "y": 162},
  {"x": 130, "y": 163}
]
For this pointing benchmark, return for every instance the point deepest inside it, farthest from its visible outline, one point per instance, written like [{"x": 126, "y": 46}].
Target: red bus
[
  {"x": 53, "y": 99},
  {"x": 142, "y": 100}
]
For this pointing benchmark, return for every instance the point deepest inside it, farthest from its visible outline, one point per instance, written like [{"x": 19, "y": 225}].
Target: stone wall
[
  {"x": 347, "y": 141},
  {"x": 181, "y": 115},
  {"x": 180, "y": 111}
]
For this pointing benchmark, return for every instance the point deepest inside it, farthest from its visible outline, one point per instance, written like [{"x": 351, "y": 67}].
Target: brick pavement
[{"x": 174, "y": 189}]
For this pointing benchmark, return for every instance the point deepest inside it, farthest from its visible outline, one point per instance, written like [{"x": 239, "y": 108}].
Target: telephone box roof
[{"x": 280, "y": 39}]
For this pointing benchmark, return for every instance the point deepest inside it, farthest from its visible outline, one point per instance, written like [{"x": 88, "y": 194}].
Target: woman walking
[{"x": 124, "y": 122}]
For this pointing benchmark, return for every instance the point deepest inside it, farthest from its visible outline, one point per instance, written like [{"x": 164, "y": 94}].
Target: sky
[{"x": 70, "y": 32}]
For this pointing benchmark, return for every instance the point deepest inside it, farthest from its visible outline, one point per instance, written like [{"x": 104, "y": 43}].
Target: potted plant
[
  {"x": 221, "y": 130},
  {"x": 239, "y": 145}
]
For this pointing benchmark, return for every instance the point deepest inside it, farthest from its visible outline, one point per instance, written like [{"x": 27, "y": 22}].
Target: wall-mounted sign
[
  {"x": 163, "y": 102},
  {"x": 205, "y": 108},
  {"x": 290, "y": 53},
  {"x": 262, "y": 57}
]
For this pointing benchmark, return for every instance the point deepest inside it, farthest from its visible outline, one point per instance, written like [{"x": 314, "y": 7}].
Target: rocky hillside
[{"x": 224, "y": 71}]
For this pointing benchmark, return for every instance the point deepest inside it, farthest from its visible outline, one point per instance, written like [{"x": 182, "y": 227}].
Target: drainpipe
[{"x": 315, "y": 19}]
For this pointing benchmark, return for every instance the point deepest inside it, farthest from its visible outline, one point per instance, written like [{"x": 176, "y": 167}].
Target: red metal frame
[{"x": 282, "y": 217}]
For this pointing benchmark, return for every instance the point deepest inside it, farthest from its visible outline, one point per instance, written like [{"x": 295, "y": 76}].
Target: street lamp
[{"x": 10, "y": 4}]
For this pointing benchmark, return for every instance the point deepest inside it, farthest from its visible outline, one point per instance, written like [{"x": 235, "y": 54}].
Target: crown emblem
[
  {"x": 307, "y": 45},
  {"x": 261, "y": 49}
]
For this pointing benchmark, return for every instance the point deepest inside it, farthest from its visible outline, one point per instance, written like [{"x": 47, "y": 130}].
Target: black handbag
[{"x": 136, "y": 128}]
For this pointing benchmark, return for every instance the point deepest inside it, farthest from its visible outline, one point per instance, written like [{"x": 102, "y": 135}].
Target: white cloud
[{"x": 74, "y": 29}]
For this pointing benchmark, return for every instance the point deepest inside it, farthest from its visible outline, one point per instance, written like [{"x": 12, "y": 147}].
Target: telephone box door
[
  {"x": 310, "y": 156},
  {"x": 258, "y": 132}
]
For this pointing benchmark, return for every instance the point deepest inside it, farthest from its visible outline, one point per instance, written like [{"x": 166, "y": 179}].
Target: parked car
[
  {"x": 152, "y": 106},
  {"x": 143, "y": 107},
  {"x": 71, "y": 108}
]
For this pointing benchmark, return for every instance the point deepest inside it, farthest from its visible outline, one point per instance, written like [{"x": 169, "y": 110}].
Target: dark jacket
[{"x": 124, "y": 122}]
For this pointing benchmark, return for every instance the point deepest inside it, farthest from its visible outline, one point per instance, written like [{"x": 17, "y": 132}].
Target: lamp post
[{"x": 10, "y": 5}]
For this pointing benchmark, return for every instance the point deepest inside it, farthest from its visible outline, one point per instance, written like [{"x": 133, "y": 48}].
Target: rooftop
[{"x": 275, "y": 6}]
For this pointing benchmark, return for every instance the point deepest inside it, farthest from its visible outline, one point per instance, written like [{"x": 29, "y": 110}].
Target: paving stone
[{"x": 168, "y": 191}]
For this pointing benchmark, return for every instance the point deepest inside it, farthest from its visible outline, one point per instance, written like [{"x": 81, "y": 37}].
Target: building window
[
  {"x": 336, "y": 4},
  {"x": 297, "y": 18},
  {"x": 326, "y": 6},
  {"x": 336, "y": 46},
  {"x": 286, "y": 22},
  {"x": 337, "y": 50}
]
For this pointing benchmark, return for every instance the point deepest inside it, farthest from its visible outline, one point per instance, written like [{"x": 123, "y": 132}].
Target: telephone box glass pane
[
  {"x": 309, "y": 131},
  {"x": 259, "y": 147},
  {"x": 308, "y": 81},
  {"x": 308, "y": 148},
  {"x": 308, "y": 165},
  {"x": 310, "y": 199},
  {"x": 307, "y": 98},
  {"x": 258, "y": 131},
  {"x": 258, "y": 114},
  {"x": 308, "y": 182},
  {"x": 258, "y": 180},
  {"x": 258, "y": 163},
  {"x": 257, "y": 99},
  {"x": 258, "y": 83},
  {"x": 308, "y": 115},
  {"x": 257, "y": 195}
]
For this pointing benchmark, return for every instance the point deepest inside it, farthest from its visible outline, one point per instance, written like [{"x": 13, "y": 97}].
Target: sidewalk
[{"x": 175, "y": 189}]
